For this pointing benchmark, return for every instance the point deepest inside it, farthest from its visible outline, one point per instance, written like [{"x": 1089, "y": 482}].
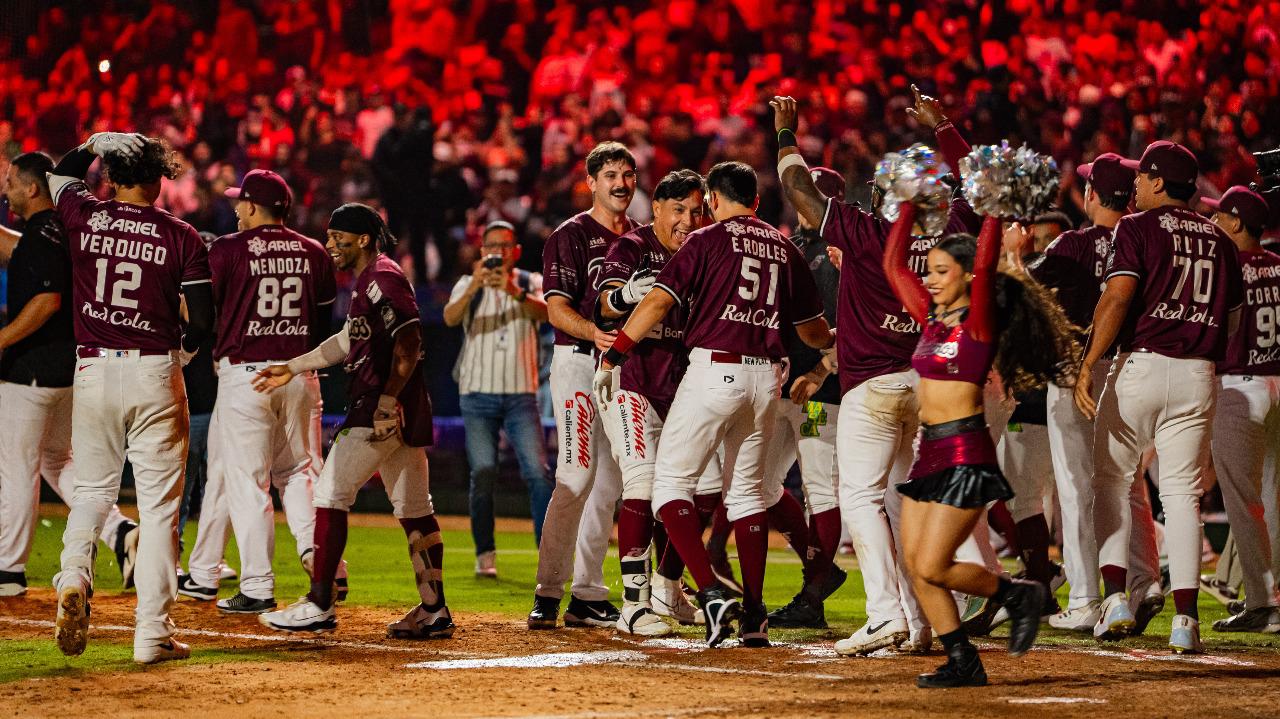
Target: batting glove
[
  {"x": 604, "y": 385},
  {"x": 386, "y": 419},
  {"x": 128, "y": 144},
  {"x": 638, "y": 286}
]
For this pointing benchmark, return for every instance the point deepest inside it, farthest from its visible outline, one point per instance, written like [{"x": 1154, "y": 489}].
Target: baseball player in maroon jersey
[
  {"x": 37, "y": 368},
  {"x": 1248, "y": 403},
  {"x": 387, "y": 429},
  {"x": 633, "y": 417},
  {"x": 133, "y": 266},
  {"x": 273, "y": 288},
  {"x": 588, "y": 482},
  {"x": 1173, "y": 295},
  {"x": 740, "y": 283},
  {"x": 878, "y": 410}
]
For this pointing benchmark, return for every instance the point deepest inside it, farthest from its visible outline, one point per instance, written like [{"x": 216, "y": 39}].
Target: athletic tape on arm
[{"x": 326, "y": 354}]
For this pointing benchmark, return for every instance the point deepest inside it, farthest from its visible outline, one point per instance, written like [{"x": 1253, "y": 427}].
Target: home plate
[{"x": 536, "y": 661}]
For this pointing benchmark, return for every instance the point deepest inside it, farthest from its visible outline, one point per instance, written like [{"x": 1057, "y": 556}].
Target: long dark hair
[{"x": 1036, "y": 343}]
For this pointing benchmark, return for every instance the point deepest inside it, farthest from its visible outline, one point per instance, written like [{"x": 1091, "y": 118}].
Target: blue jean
[
  {"x": 517, "y": 415},
  {"x": 197, "y": 456}
]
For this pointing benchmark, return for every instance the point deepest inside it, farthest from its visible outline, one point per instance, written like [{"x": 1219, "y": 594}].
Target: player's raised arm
[
  {"x": 928, "y": 112},
  {"x": 797, "y": 183},
  {"x": 326, "y": 354}
]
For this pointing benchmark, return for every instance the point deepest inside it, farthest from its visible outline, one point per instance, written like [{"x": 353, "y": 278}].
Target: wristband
[
  {"x": 787, "y": 138},
  {"x": 623, "y": 343},
  {"x": 614, "y": 357},
  {"x": 792, "y": 160},
  {"x": 942, "y": 125}
]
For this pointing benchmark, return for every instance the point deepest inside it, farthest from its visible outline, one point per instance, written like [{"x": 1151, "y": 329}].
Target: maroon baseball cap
[
  {"x": 1167, "y": 160},
  {"x": 263, "y": 187},
  {"x": 1244, "y": 203},
  {"x": 829, "y": 182},
  {"x": 1109, "y": 177}
]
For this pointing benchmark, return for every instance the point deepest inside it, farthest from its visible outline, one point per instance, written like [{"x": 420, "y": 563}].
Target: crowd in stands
[{"x": 452, "y": 113}]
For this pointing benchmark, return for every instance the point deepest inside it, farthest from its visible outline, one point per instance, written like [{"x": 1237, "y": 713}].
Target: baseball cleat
[
  {"x": 669, "y": 600},
  {"x": 1263, "y": 620},
  {"x": 242, "y": 603},
  {"x": 870, "y": 637},
  {"x": 187, "y": 587},
  {"x": 963, "y": 669},
  {"x": 753, "y": 628},
  {"x": 721, "y": 610},
  {"x": 1235, "y": 606},
  {"x": 170, "y": 650},
  {"x": 800, "y": 613},
  {"x": 582, "y": 613},
  {"x": 303, "y": 615},
  {"x": 126, "y": 548},
  {"x": 1115, "y": 619},
  {"x": 723, "y": 570},
  {"x": 486, "y": 565},
  {"x": 71, "y": 629},
  {"x": 835, "y": 579},
  {"x": 1148, "y": 608},
  {"x": 423, "y": 623},
  {"x": 13, "y": 584},
  {"x": 979, "y": 614},
  {"x": 920, "y": 641},
  {"x": 1025, "y": 603},
  {"x": 545, "y": 611},
  {"x": 1220, "y": 590},
  {"x": 1080, "y": 619},
  {"x": 1184, "y": 638},
  {"x": 639, "y": 619}
]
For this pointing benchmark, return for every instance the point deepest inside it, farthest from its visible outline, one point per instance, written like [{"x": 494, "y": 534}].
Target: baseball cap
[
  {"x": 1244, "y": 203},
  {"x": 1167, "y": 160},
  {"x": 829, "y": 182},
  {"x": 1109, "y": 176},
  {"x": 263, "y": 187}
]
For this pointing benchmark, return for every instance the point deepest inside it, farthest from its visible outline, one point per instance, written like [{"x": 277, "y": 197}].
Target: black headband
[{"x": 357, "y": 219}]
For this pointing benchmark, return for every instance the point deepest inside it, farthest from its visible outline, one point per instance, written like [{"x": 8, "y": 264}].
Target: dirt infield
[{"x": 495, "y": 667}]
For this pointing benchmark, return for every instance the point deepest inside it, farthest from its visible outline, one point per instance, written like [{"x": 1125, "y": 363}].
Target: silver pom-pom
[
  {"x": 1000, "y": 181},
  {"x": 915, "y": 175}
]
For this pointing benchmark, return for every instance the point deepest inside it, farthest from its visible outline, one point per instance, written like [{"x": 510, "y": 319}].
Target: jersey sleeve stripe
[
  {"x": 1118, "y": 273},
  {"x": 404, "y": 324},
  {"x": 822, "y": 228},
  {"x": 562, "y": 293},
  {"x": 327, "y": 302},
  {"x": 197, "y": 282},
  {"x": 674, "y": 295},
  {"x": 797, "y": 323},
  {"x": 58, "y": 183}
]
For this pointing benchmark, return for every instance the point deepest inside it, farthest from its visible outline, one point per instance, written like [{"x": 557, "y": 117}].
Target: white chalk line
[
  {"x": 277, "y": 638},
  {"x": 628, "y": 714},
  {"x": 559, "y": 660},
  {"x": 1054, "y": 700}
]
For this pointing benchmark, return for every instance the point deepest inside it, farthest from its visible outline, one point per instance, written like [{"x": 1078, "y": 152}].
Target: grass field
[{"x": 382, "y": 588}]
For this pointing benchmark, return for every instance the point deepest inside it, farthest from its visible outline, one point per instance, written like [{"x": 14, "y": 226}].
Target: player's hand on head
[
  {"x": 604, "y": 340},
  {"x": 272, "y": 377},
  {"x": 127, "y": 144},
  {"x": 927, "y": 110},
  {"x": 785, "y": 114},
  {"x": 604, "y": 385}
]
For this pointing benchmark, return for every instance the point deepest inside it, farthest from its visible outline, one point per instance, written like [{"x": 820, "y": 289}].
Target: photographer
[{"x": 500, "y": 308}]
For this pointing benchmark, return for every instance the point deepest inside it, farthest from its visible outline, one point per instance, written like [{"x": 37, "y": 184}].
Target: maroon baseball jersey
[
  {"x": 271, "y": 285},
  {"x": 382, "y": 304},
  {"x": 1188, "y": 280},
  {"x": 571, "y": 259},
  {"x": 1073, "y": 265},
  {"x": 742, "y": 285},
  {"x": 1254, "y": 349},
  {"x": 128, "y": 265},
  {"x": 659, "y": 359},
  {"x": 875, "y": 335}
]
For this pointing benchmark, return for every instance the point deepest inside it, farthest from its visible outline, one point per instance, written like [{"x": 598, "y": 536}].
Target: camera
[{"x": 491, "y": 262}]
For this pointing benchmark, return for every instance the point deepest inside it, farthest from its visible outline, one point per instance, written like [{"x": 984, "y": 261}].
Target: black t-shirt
[
  {"x": 41, "y": 263},
  {"x": 803, "y": 357}
]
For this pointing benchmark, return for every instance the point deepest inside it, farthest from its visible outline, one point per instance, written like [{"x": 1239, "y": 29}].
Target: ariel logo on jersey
[
  {"x": 1102, "y": 246},
  {"x": 1170, "y": 222},
  {"x": 256, "y": 245},
  {"x": 1250, "y": 273},
  {"x": 101, "y": 220},
  {"x": 758, "y": 318}
]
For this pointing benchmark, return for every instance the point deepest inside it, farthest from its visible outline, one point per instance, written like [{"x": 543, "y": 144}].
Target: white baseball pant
[
  {"x": 877, "y": 425},
  {"x": 1247, "y": 408},
  {"x": 36, "y": 442},
  {"x": 1150, "y": 399},
  {"x": 1023, "y": 452},
  {"x": 807, "y": 433},
  {"x": 634, "y": 429},
  {"x": 579, "y": 519},
  {"x": 128, "y": 406},
  {"x": 721, "y": 403},
  {"x": 257, "y": 440},
  {"x": 354, "y": 458},
  {"x": 1271, "y": 498}
]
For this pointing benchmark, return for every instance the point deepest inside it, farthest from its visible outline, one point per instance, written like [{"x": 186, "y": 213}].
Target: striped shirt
[{"x": 500, "y": 340}]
